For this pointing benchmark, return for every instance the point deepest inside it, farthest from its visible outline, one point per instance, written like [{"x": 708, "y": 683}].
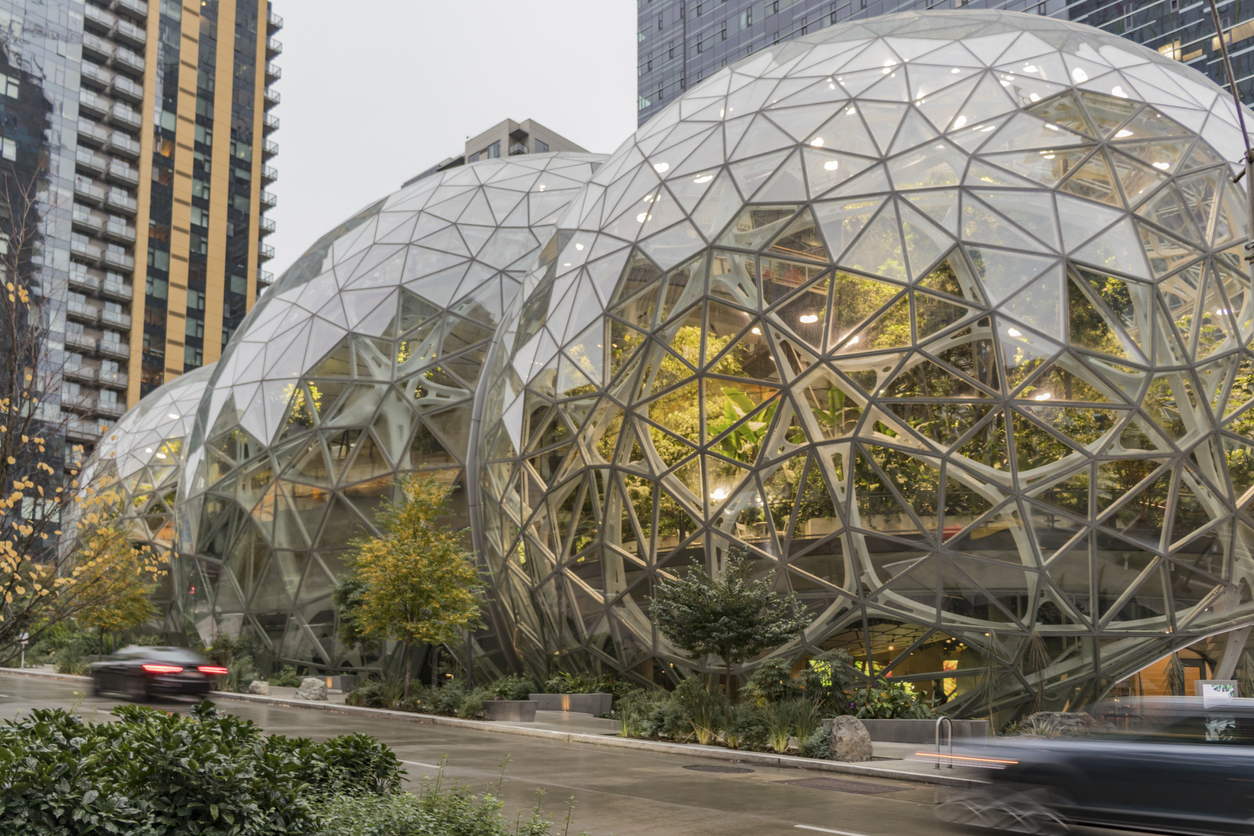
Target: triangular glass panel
[
  {"x": 842, "y": 221},
  {"x": 755, "y": 226},
  {"x": 825, "y": 170},
  {"x": 1135, "y": 177},
  {"x": 879, "y": 250},
  {"x": 1089, "y": 327},
  {"x": 1065, "y": 111},
  {"x": 1107, "y": 112},
  {"x": 936, "y": 165},
  {"x": 981, "y": 225},
  {"x": 801, "y": 239},
  {"x": 1003, "y": 272},
  {"x": 1046, "y": 166},
  {"x": 891, "y": 329},
  {"x": 846, "y": 132},
  {"x": 1094, "y": 180},
  {"x": 1024, "y": 132}
]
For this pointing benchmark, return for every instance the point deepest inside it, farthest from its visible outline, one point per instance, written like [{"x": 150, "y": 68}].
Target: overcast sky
[{"x": 377, "y": 90}]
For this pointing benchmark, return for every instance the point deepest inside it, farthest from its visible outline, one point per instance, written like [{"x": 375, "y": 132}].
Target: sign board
[{"x": 1214, "y": 691}]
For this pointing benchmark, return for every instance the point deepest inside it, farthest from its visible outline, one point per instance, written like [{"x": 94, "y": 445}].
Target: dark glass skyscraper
[{"x": 681, "y": 42}]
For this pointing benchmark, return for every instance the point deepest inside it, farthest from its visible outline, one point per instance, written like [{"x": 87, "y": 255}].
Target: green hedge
[{"x": 152, "y": 774}]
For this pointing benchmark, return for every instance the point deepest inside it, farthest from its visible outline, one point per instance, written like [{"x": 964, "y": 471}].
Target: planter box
[
  {"x": 594, "y": 704},
  {"x": 517, "y": 711},
  {"x": 922, "y": 731}
]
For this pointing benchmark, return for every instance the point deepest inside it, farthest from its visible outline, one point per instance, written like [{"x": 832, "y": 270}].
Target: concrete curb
[{"x": 684, "y": 749}]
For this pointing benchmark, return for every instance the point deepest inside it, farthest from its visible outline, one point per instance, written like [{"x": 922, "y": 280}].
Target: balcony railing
[
  {"x": 80, "y": 311},
  {"x": 92, "y": 134},
  {"x": 79, "y": 403},
  {"x": 98, "y": 17},
  {"x": 265, "y": 278},
  {"x": 136, "y": 8},
  {"x": 79, "y": 340},
  {"x": 127, "y": 89},
  {"x": 273, "y": 47},
  {"x": 81, "y": 280},
  {"x": 124, "y": 31},
  {"x": 95, "y": 73},
  {"x": 97, "y": 46},
  {"x": 92, "y": 161},
  {"x": 122, "y": 202},
  {"x": 265, "y": 252},
  {"x": 128, "y": 60},
  {"x": 124, "y": 173},
  {"x": 89, "y": 101},
  {"x": 119, "y": 232},
  {"x": 273, "y": 72},
  {"x": 112, "y": 408},
  {"x": 78, "y": 371},
  {"x": 269, "y": 174},
  {"x": 114, "y": 380},
  {"x": 266, "y": 227},
  {"x": 83, "y": 219},
  {"x": 86, "y": 250},
  {"x": 115, "y": 319},
  {"x": 269, "y": 148},
  {"x": 117, "y": 290},
  {"x": 119, "y": 261},
  {"x": 272, "y": 97},
  {"x": 85, "y": 188},
  {"x": 114, "y": 348},
  {"x": 275, "y": 22},
  {"x": 83, "y": 430},
  {"x": 123, "y": 114},
  {"x": 268, "y": 199}
]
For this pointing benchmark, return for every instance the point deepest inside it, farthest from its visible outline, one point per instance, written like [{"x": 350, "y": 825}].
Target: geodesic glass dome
[
  {"x": 360, "y": 363},
  {"x": 941, "y": 317},
  {"x": 142, "y": 458}
]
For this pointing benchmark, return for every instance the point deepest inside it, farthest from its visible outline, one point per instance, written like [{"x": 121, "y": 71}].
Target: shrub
[
  {"x": 889, "y": 700},
  {"x": 513, "y": 687},
  {"x": 818, "y": 744},
  {"x": 639, "y": 713},
  {"x": 376, "y": 693},
  {"x": 286, "y": 678},
  {"x": 778, "y": 719},
  {"x": 157, "y": 774},
  {"x": 829, "y": 678},
  {"x": 744, "y": 727},
  {"x": 772, "y": 682},
  {"x": 447, "y": 700},
  {"x": 471, "y": 704},
  {"x": 435, "y": 809}
]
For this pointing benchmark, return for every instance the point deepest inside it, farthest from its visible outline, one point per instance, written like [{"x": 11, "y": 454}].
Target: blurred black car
[
  {"x": 1174, "y": 765},
  {"x": 142, "y": 672}
]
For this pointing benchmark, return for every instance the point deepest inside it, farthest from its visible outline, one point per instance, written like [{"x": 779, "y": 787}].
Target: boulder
[
  {"x": 851, "y": 742},
  {"x": 260, "y": 687},
  {"x": 312, "y": 688}
]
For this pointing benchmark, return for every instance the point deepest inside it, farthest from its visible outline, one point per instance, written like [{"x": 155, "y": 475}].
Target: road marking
[
  {"x": 420, "y": 763},
  {"x": 826, "y": 830}
]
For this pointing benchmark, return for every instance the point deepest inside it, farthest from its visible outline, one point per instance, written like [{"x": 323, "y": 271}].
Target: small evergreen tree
[
  {"x": 416, "y": 583},
  {"x": 729, "y": 616}
]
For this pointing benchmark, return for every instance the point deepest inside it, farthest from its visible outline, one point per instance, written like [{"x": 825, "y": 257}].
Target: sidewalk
[{"x": 892, "y": 760}]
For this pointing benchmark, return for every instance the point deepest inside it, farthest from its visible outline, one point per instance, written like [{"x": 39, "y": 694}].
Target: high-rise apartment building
[
  {"x": 681, "y": 42},
  {"x": 504, "y": 139},
  {"x": 146, "y": 129}
]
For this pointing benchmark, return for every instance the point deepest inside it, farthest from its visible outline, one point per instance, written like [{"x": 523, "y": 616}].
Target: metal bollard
[{"x": 949, "y": 728}]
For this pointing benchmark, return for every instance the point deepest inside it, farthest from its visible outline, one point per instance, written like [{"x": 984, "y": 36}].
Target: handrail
[{"x": 949, "y": 727}]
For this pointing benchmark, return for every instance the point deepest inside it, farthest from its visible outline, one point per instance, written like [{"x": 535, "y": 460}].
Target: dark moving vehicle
[
  {"x": 143, "y": 672},
  {"x": 1174, "y": 765}
]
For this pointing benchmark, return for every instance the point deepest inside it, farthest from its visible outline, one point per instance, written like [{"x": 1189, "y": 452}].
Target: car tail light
[
  {"x": 213, "y": 670},
  {"x": 163, "y": 668}
]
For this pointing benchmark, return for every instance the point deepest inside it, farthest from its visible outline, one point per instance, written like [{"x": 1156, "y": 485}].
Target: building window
[
  {"x": 700, "y": 47},
  {"x": 494, "y": 150},
  {"x": 725, "y": 31},
  {"x": 8, "y": 149},
  {"x": 195, "y": 300},
  {"x": 193, "y": 358},
  {"x": 672, "y": 48},
  {"x": 473, "y": 158},
  {"x": 195, "y": 328},
  {"x": 10, "y": 85},
  {"x": 542, "y": 147},
  {"x": 659, "y": 23},
  {"x": 699, "y": 7}
]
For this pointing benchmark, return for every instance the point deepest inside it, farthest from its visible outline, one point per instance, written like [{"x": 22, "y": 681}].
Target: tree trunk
[
  {"x": 409, "y": 657},
  {"x": 727, "y": 665}
]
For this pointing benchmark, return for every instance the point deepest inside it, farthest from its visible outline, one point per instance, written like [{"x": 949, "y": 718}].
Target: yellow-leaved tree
[{"x": 417, "y": 583}]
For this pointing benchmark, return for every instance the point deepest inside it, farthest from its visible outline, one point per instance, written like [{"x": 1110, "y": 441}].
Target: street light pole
[{"x": 1249, "y": 155}]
